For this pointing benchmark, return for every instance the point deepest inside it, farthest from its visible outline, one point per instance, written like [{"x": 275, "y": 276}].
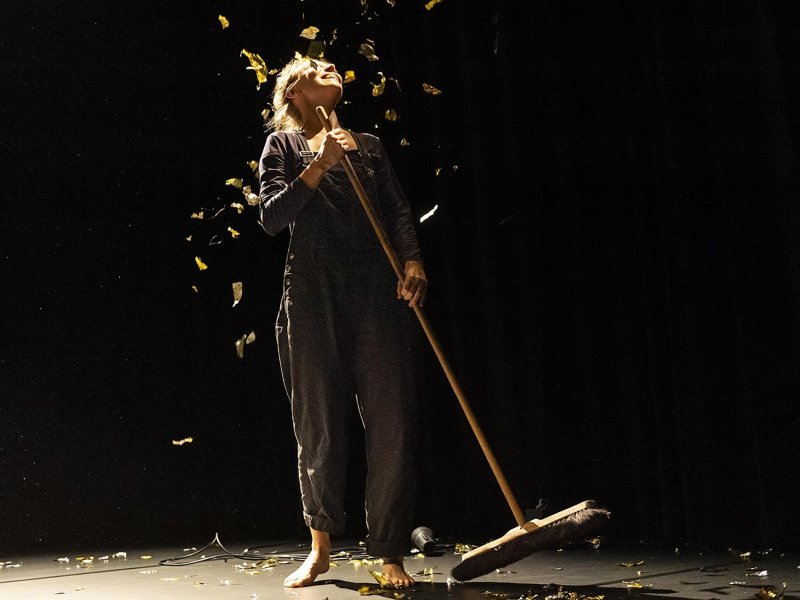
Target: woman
[{"x": 343, "y": 328}]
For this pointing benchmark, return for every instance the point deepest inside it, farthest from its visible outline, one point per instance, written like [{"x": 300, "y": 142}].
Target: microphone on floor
[{"x": 422, "y": 538}]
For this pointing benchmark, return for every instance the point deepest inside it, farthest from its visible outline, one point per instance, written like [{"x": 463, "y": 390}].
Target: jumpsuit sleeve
[
  {"x": 400, "y": 223},
  {"x": 281, "y": 195}
]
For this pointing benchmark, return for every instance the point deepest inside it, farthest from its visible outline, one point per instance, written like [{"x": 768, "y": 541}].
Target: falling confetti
[
  {"x": 235, "y": 182},
  {"x": 223, "y": 21},
  {"x": 390, "y": 115},
  {"x": 310, "y": 33},
  {"x": 253, "y": 164},
  {"x": 378, "y": 88},
  {"x": 430, "y": 89},
  {"x": 215, "y": 240},
  {"x": 237, "y": 292},
  {"x": 438, "y": 171},
  {"x": 187, "y": 440},
  {"x": 239, "y": 207},
  {"x": 233, "y": 232},
  {"x": 198, "y": 215},
  {"x": 258, "y": 65},
  {"x": 428, "y": 214},
  {"x": 431, "y": 4},
  {"x": 349, "y": 76},
  {"x": 404, "y": 142},
  {"x": 367, "y": 49},
  {"x": 245, "y": 339},
  {"x": 200, "y": 264},
  {"x": 265, "y": 114},
  {"x": 188, "y": 239},
  {"x": 252, "y": 199},
  {"x": 194, "y": 287}
]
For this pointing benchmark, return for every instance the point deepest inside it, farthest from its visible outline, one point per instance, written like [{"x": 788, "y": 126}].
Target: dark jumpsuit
[{"x": 342, "y": 333}]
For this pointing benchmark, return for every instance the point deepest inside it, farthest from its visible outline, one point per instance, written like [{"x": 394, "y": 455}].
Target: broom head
[{"x": 574, "y": 524}]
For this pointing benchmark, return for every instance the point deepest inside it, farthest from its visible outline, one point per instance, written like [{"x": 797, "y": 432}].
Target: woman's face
[{"x": 319, "y": 82}]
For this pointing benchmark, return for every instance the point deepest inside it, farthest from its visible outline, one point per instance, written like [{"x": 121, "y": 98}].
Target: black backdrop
[{"x": 614, "y": 264}]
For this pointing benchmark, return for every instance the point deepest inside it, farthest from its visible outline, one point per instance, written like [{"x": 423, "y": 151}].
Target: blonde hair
[{"x": 285, "y": 116}]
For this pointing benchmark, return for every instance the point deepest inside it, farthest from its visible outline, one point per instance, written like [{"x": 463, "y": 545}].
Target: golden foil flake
[
  {"x": 120, "y": 555},
  {"x": 239, "y": 207},
  {"x": 455, "y": 168},
  {"x": 63, "y": 559},
  {"x": 769, "y": 591},
  {"x": 310, "y": 33},
  {"x": 364, "y": 561},
  {"x": 235, "y": 182},
  {"x": 365, "y": 590},
  {"x": 367, "y": 49},
  {"x": 428, "y": 214},
  {"x": 258, "y": 65},
  {"x": 253, "y": 164},
  {"x": 198, "y": 215},
  {"x": 200, "y": 264},
  {"x": 242, "y": 341},
  {"x": 147, "y": 556},
  {"x": 631, "y": 564},
  {"x": 223, "y": 21},
  {"x": 438, "y": 171},
  {"x": 233, "y": 232},
  {"x": 252, "y": 199},
  {"x": 171, "y": 578},
  {"x": 380, "y": 578},
  {"x": 265, "y": 114},
  {"x": 379, "y": 88},
  {"x": 390, "y": 115},
  {"x": 349, "y": 77},
  {"x": 429, "y": 89},
  {"x": 636, "y": 584},
  {"x": 194, "y": 287},
  {"x": 431, "y": 4},
  {"x": 186, "y": 440},
  {"x": 237, "y": 292},
  {"x": 763, "y": 573},
  {"x": 464, "y": 548},
  {"x": 404, "y": 142},
  {"x": 188, "y": 239}
]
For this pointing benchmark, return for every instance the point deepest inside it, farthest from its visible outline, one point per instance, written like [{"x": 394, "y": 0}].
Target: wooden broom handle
[{"x": 400, "y": 272}]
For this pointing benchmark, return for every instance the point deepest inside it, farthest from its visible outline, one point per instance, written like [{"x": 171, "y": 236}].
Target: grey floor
[{"x": 572, "y": 574}]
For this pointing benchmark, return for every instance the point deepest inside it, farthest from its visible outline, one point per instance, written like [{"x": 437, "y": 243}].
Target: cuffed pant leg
[
  {"x": 321, "y": 393},
  {"x": 386, "y": 390}
]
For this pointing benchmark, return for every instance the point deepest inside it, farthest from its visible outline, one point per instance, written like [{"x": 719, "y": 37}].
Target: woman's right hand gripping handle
[{"x": 331, "y": 151}]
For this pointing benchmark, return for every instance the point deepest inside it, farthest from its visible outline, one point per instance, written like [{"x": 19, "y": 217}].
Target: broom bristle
[{"x": 578, "y": 526}]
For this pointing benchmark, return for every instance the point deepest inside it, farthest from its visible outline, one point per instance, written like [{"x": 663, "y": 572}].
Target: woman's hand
[
  {"x": 415, "y": 285},
  {"x": 332, "y": 148}
]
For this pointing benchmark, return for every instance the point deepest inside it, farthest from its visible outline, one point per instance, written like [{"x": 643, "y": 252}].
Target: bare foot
[
  {"x": 396, "y": 576},
  {"x": 316, "y": 563}
]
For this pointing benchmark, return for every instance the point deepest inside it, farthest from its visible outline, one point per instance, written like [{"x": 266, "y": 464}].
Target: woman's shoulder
[
  {"x": 283, "y": 141},
  {"x": 371, "y": 142}
]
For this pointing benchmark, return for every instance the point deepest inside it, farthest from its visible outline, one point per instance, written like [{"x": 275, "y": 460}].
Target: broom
[{"x": 572, "y": 524}]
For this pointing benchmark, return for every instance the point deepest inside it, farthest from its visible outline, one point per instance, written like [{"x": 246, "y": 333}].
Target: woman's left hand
[{"x": 415, "y": 285}]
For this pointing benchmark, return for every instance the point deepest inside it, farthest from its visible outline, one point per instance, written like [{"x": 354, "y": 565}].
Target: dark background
[{"x": 613, "y": 264}]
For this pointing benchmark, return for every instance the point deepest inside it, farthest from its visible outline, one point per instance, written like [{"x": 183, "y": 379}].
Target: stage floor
[{"x": 573, "y": 574}]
